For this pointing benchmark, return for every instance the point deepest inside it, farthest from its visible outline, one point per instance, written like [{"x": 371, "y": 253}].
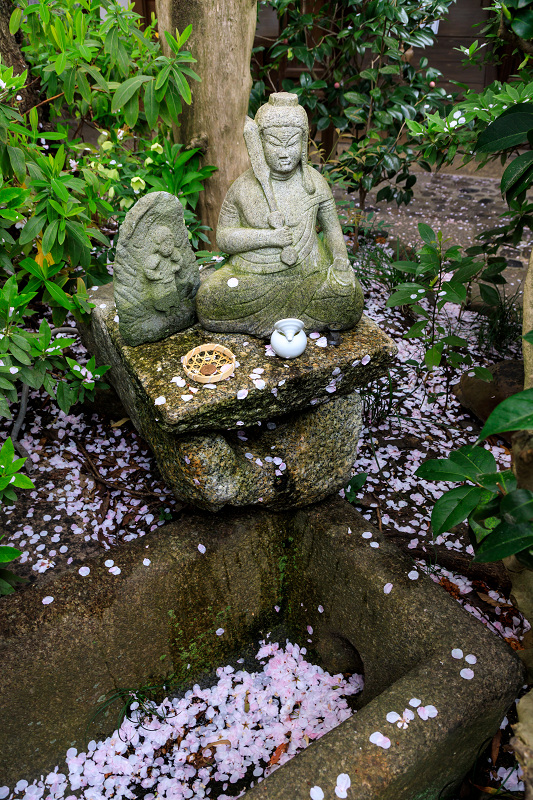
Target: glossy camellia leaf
[
  {"x": 516, "y": 170},
  {"x": 466, "y": 463},
  {"x": 518, "y": 505},
  {"x": 505, "y": 540},
  {"x": 506, "y": 131},
  {"x": 454, "y": 507},
  {"x": 513, "y": 414},
  {"x": 522, "y": 24}
]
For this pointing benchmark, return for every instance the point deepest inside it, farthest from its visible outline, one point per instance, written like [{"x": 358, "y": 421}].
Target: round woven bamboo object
[{"x": 209, "y": 363}]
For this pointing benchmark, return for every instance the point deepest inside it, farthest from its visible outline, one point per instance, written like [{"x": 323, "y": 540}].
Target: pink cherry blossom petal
[
  {"x": 378, "y": 739},
  {"x": 467, "y": 674}
]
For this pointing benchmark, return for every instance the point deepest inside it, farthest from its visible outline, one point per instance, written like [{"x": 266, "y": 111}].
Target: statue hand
[
  {"x": 342, "y": 270},
  {"x": 280, "y": 237}
]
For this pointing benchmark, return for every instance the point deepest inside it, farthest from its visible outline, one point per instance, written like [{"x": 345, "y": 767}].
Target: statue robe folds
[{"x": 255, "y": 288}]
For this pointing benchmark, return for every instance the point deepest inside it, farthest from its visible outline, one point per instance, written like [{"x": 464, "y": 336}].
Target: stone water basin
[{"x": 106, "y": 631}]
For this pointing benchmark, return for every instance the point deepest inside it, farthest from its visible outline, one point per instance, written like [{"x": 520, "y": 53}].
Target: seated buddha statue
[{"x": 279, "y": 265}]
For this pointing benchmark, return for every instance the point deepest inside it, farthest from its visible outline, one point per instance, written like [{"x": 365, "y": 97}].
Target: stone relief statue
[
  {"x": 279, "y": 267},
  {"x": 156, "y": 276}
]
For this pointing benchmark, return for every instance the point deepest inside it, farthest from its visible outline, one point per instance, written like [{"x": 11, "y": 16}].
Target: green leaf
[
  {"x": 417, "y": 329},
  {"x": 127, "y": 90},
  {"x": 519, "y": 505},
  {"x": 433, "y": 357},
  {"x": 466, "y": 463},
  {"x": 22, "y": 482},
  {"x": 60, "y": 190},
  {"x": 528, "y": 337},
  {"x": 162, "y": 77},
  {"x": 131, "y": 110},
  {"x": 523, "y": 25},
  {"x": 427, "y": 234},
  {"x": 5, "y": 587},
  {"x": 60, "y": 63},
  {"x": 111, "y": 44},
  {"x": 506, "y": 131},
  {"x": 9, "y": 553},
  {"x": 489, "y": 294},
  {"x": 454, "y": 507},
  {"x": 173, "y": 103},
  {"x": 356, "y": 483},
  {"x": 65, "y": 396},
  {"x": 95, "y": 73},
  {"x": 483, "y": 373},
  {"x": 49, "y": 236},
  {"x": 151, "y": 105},
  {"x": 505, "y": 540},
  {"x": 185, "y": 35},
  {"x": 516, "y": 169},
  {"x": 18, "y": 162},
  {"x": 182, "y": 86},
  {"x": 83, "y": 86},
  {"x": 19, "y": 354},
  {"x": 32, "y": 229},
  {"x": 15, "y": 20},
  {"x": 59, "y": 295},
  {"x": 513, "y": 414}
]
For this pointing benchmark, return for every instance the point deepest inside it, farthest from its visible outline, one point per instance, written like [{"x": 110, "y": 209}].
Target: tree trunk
[
  {"x": 221, "y": 41},
  {"x": 9, "y": 47}
]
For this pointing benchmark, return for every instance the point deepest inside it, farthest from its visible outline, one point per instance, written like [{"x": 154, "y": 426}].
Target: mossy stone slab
[{"x": 289, "y": 385}]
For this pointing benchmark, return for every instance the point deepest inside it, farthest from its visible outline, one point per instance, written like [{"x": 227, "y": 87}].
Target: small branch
[
  {"x": 110, "y": 485},
  {"x": 44, "y": 102},
  {"x": 17, "y": 425},
  {"x": 512, "y": 38},
  {"x": 65, "y": 329},
  {"x": 493, "y": 575}
]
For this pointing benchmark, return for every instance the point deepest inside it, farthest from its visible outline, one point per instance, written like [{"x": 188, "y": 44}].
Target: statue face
[{"x": 282, "y": 148}]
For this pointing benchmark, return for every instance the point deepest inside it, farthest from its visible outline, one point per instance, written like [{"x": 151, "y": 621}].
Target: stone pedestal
[{"x": 278, "y": 433}]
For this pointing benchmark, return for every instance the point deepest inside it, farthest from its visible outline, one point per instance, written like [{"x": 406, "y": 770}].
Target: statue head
[
  {"x": 164, "y": 240},
  {"x": 284, "y": 130}
]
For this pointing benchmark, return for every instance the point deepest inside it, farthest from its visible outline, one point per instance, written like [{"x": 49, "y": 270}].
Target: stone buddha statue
[{"x": 279, "y": 266}]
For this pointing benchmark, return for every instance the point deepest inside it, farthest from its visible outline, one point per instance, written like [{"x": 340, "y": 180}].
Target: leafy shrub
[
  {"x": 443, "y": 275},
  {"x": 102, "y": 69},
  {"x": 31, "y": 357},
  {"x": 156, "y": 165},
  {"x": 357, "y": 79},
  {"x": 499, "y": 514},
  {"x": 10, "y": 477}
]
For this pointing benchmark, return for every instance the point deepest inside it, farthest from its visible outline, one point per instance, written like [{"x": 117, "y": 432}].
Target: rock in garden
[
  {"x": 481, "y": 397},
  {"x": 156, "y": 276}
]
